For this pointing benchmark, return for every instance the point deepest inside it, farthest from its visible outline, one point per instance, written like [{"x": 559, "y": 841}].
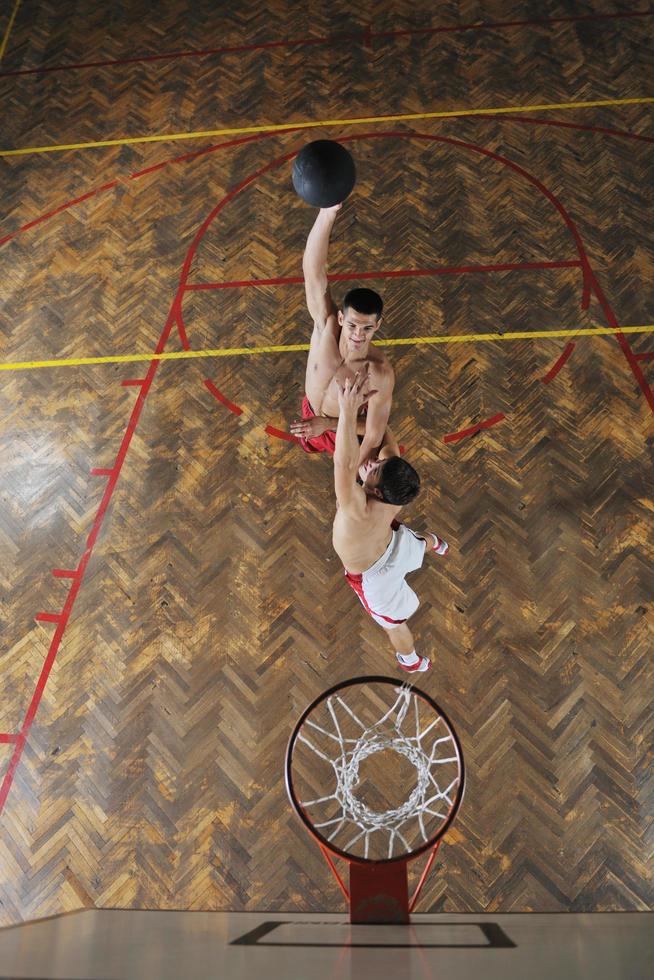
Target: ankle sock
[
  {"x": 441, "y": 547},
  {"x": 408, "y": 659}
]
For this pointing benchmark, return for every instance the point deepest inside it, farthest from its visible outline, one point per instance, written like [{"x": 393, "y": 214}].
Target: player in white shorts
[{"x": 378, "y": 552}]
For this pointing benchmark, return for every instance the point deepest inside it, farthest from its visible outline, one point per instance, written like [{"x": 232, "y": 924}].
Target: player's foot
[
  {"x": 441, "y": 547},
  {"x": 420, "y": 665}
]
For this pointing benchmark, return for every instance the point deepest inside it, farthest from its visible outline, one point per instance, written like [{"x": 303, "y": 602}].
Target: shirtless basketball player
[
  {"x": 378, "y": 552},
  {"x": 340, "y": 346}
]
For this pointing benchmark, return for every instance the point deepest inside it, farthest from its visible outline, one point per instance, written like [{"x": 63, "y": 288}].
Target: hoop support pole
[
  {"x": 328, "y": 858},
  {"x": 423, "y": 876}
]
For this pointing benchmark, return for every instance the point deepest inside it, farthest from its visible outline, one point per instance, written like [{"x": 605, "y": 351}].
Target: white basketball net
[{"x": 428, "y": 749}]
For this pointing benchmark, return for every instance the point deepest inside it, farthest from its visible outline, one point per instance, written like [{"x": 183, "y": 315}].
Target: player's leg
[{"x": 403, "y": 644}]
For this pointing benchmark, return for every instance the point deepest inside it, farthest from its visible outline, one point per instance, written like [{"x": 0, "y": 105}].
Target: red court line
[
  {"x": 62, "y": 207},
  {"x": 194, "y": 53},
  {"x": 8, "y": 738},
  {"x": 645, "y": 357},
  {"x": 45, "y": 617},
  {"x": 68, "y": 204},
  {"x": 367, "y": 36},
  {"x": 64, "y": 572},
  {"x": 280, "y": 434},
  {"x": 473, "y": 429},
  {"x": 181, "y": 328},
  {"x": 554, "y": 370},
  {"x": 387, "y": 274},
  {"x": 634, "y": 365},
  {"x": 221, "y": 398},
  {"x": 502, "y": 24},
  {"x": 62, "y": 619},
  {"x": 612, "y": 321},
  {"x": 132, "y": 382}
]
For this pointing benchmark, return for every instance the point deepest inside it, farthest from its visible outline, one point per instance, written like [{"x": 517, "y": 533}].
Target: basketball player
[
  {"x": 340, "y": 346},
  {"x": 377, "y": 551}
]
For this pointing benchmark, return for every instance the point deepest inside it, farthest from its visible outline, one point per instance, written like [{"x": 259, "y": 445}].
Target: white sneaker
[{"x": 422, "y": 665}]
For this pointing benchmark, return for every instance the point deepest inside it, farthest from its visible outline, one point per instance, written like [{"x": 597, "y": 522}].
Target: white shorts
[{"x": 382, "y": 588}]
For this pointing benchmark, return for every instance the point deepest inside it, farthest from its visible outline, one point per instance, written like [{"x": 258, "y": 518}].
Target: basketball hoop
[{"x": 374, "y": 769}]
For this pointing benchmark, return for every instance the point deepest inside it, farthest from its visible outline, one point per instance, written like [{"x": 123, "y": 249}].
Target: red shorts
[{"x": 326, "y": 443}]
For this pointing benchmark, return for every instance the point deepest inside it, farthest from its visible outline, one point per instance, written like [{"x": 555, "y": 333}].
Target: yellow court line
[
  {"x": 313, "y": 124},
  {"x": 188, "y": 355},
  {"x": 5, "y": 39}
]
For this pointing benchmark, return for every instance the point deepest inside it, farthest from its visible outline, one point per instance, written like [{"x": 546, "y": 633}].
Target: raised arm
[
  {"x": 351, "y": 396},
  {"x": 379, "y": 410},
  {"x": 314, "y": 266}
]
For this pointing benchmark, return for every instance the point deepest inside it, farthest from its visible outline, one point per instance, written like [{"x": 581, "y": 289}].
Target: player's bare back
[{"x": 361, "y": 535}]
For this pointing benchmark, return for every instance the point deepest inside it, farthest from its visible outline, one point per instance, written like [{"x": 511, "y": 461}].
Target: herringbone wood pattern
[{"x": 212, "y": 608}]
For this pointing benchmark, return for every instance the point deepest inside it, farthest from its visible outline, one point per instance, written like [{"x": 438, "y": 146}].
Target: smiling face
[{"x": 357, "y": 330}]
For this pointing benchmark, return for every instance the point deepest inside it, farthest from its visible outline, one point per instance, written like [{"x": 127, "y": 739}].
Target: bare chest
[{"x": 325, "y": 379}]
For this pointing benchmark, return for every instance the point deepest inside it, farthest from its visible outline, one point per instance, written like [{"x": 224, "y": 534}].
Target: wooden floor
[{"x": 150, "y": 684}]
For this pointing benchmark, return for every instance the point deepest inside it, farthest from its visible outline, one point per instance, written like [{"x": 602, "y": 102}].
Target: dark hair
[
  {"x": 399, "y": 483},
  {"x": 363, "y": 301}
]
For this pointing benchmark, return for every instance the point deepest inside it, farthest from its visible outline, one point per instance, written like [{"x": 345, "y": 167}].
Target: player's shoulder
[
  {"x": 352, "y": 503},
  {"x": 381, "y": 368}
]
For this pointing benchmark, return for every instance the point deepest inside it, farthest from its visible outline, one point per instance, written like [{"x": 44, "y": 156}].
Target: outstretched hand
[
  {"x": 354, "y": 392},
  {"x": 311, "y": 428}
]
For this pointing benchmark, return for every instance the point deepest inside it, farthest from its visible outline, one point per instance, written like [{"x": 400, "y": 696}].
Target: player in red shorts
[
  {"x": 340, "y": 346},
  {"x": 377, "y": 551}
]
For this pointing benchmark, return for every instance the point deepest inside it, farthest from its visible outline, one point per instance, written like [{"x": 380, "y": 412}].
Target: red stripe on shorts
[{"x": 356, "y": 581}]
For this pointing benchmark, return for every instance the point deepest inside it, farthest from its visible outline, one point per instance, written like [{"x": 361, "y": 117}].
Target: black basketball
[{"x": 324, "y": 173}]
